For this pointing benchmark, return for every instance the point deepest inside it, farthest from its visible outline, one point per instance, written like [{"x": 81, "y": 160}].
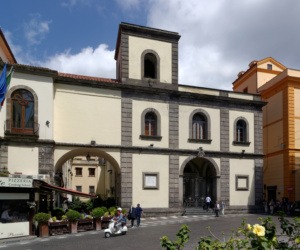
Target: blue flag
[{"x": 3, "y": 84}]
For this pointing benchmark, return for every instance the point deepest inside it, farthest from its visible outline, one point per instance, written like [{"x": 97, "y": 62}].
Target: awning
[{"x": 46, "y": 186}]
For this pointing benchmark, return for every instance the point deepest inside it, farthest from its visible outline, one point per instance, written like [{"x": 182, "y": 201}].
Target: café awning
[{"x": 49, "y": 187}]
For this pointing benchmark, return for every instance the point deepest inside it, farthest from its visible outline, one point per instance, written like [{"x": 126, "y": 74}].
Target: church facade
[{"x": 168, "y": 145}]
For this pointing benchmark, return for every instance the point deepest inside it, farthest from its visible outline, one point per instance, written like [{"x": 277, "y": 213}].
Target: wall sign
[
  {"x": 15, "y": 182},
  {"x": 150, "y": 180}
]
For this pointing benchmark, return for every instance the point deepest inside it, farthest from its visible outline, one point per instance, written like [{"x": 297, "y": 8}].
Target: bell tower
[{"x": 147, "y": 56}]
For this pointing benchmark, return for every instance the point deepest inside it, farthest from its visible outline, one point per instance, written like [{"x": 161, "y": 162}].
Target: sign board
[{"x": 15, "y": 182}]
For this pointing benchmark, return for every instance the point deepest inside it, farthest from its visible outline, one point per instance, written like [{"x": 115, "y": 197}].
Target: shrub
[
  {"x": 73, "y": 215},
  {"x": 42, "y": 217},
  {"x": 97, "y": 212},
  {"x": 259, "y": 236},
  {"x": 58, "y": 213},
  {"x": 64, "y": 218}
]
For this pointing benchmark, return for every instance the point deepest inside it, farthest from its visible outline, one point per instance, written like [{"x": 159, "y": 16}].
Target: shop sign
[{"x": 15, "y": 182}]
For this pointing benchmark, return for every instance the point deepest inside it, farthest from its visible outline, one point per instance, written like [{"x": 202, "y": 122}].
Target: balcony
[{"x": 31, "y": 128}]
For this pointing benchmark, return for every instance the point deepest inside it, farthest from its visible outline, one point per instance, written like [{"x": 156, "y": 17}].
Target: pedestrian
[
  {"x": 131, "y": 215},
  {"x": 217, "y": 208},
  {"x": 271, "y": 205},
  {"x": 138, "y": 214},
  {"x": 207, "y": 202}
]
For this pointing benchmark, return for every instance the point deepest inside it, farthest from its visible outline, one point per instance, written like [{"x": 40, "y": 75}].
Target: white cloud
[
  {"x": 219, "y": 39},
  {"x": 36, "y": 29},
  {"x": 92, "y": 62}
]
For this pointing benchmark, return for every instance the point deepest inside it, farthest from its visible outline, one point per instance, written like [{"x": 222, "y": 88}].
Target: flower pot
[
  {"x": 43, "y": 230},
  {"x": 97, "y": 223},
  {"x": 73, "y": 227},
  {"x": 105, "y": 221}
]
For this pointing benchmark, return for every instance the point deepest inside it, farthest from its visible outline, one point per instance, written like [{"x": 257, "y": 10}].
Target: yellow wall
[
  {"x": 138, "y": 45},
  {"x": 242, "y": 197},
  {"x": 81, "y": 115},
  {"x": 137, "y": 109},
  {"x": 148, "y": 197},
  {"x": 184, "y": 116},
  {"x": 233, "y": 115},
  {"x": 274, "y": 110},
  {"x": 23, "y": 159},
  {"x": 273, "y": 172}
]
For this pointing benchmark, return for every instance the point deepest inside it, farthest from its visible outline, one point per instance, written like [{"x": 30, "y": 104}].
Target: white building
[{"x": 169, "y": 145}]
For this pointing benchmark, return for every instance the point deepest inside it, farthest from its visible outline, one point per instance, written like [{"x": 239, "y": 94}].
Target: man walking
[{"x": 138, "y": 214}]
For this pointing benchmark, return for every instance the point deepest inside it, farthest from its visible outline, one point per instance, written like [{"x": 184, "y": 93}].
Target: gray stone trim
[
  {"x": 225, "y": 174},
  {"x": 126, "y": 179},
  {"x": 126, "y": 121},
  {"x": 157, "y": 65},
  {"x": 173, "y": 125},
  {"x": 175, "y": 63},
  {"x": 3, "y": 158},
  {"x": 258, "y": 181},
  {"x": 46, "y": 160},
  {"x": 258, "y": 132},
  {"x": 124, "y": 57},
  {"x": 158, "y": 121},
  {"x": 247, "y": 129},
  {"x": 174, "y": 181},
  {"x": 8, "y": 103},
  {"x": 224, "y": 132},
  {"x": 208, "y": 123}
]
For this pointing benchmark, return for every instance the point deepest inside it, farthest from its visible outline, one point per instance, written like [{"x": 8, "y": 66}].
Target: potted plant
[
  {"x": 97, "y": 213},
  {"x": 73, "y": 217},
  {"x": 42, "y": 220}
]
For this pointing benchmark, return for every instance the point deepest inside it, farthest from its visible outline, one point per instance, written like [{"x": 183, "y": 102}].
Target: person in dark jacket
[
  {"x": 131, "y": 215},
  {"x": 138, "y": 214}
]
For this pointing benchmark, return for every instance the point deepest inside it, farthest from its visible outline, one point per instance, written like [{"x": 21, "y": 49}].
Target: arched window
[
  {"x": 241, "y": 131},
  {"x": 22, "y": 111},
  {"x": 199, "y": 127},
  {"x": 150, "y": 124},
  {"x": 150, "y": 66}
]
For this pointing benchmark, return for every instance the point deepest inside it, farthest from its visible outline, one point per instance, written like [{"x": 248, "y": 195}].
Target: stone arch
[
  {"x": 214, "y": 179},
  {"x": 83, "y": 151},
  {"x": 212, "y": 161}
]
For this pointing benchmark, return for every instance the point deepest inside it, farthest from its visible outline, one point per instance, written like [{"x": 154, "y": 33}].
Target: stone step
[{"x": 198, "y": 211}]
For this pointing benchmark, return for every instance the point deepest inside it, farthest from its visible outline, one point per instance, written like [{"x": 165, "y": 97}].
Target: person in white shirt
[{"x": 207, "y": 201}]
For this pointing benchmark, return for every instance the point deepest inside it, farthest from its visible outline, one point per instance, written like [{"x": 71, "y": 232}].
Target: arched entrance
[
  {"x": 89, "y": 170},
  {"x": 199, "y": 180}
]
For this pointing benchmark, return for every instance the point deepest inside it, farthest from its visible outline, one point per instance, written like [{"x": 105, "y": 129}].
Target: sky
[{"x": 219, "y": 38}]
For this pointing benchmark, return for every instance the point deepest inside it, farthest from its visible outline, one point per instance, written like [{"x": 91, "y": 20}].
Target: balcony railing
[{"x": 10, "y": 129}]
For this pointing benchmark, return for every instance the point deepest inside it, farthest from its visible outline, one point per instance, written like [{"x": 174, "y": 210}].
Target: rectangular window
[
  {"x": 78, "y": 171},
  {"x": 269, "y": 66},
  {"x": 79, "y": 188},
  {"x": 91, "y": 189},
  {"x": 91, "y": 171},
  {"x": 245, "y": 90}
]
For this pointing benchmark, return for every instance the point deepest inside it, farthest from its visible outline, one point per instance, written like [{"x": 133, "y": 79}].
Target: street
[{"x": 145, "y": 237}]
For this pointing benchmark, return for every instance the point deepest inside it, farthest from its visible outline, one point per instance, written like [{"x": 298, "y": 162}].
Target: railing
[
  {"x": 193, "y": 202},
  {"x": 9, "y": 129}
]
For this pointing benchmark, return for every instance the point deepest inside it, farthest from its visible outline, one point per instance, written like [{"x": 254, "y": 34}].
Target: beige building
[
  {"x": 280, "y": 88},
  {"x": 166, "y": 145}
]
